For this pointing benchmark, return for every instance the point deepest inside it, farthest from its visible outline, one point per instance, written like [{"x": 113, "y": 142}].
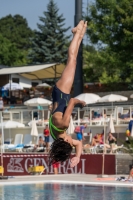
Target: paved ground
[{"x": 68, "y": 179}]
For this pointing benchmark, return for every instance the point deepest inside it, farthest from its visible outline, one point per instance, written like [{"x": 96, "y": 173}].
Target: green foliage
[
  {"x": 129, "y": 146},
  {"x": 9, "y": 54},
  {"x": 98, "y": 66},
  {"x": 110, "y": 29},
  {"x": 50, "y": 43},
  {"x": 15, "y": 40},
  {"x": 15, "y": 28}
]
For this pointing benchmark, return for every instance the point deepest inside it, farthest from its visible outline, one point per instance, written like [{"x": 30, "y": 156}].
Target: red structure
[{"x": 18, "y": 164}]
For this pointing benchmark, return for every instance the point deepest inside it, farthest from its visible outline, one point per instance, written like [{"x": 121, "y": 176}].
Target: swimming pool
[{"x": 57, "y": 191}]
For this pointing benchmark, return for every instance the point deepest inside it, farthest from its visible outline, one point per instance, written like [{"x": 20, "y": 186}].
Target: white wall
[{"x": 24, "y": 82}]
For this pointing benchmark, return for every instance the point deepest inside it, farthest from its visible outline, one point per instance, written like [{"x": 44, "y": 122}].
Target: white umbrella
[
  {"x": 37, "y": 102},
  {"x": 34, "y": 131},
  {"x": 10, "y": 124},
  {"x": 71, "y": 127},
  {"x": 88, "y": 97},
  {"x": 112, "y": 98},
  {"x": 12, "y": 86},
  {"x": 43, "y": 85},
  {"x": 110, "y": 127},
  {"x": 131, "y": 96}
]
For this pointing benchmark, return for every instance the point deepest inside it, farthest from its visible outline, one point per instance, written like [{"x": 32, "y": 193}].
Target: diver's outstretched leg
[{"x": 67, "y": 78}]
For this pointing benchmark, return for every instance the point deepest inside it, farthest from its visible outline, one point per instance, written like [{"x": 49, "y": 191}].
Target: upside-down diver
[{"x": 63, "y": 105}]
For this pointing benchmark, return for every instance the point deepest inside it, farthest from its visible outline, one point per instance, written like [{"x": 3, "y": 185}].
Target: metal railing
[{"x": 92, "y": 115}]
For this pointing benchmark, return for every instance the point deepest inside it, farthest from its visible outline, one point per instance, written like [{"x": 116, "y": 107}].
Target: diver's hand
[
  {"x": 74, "y": 161},
  {"x": 77, "y": 101},
  {"x": 83, "y": 103}
]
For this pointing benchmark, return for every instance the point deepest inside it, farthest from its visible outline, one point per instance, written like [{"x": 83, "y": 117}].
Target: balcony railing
[{"x": 91, "y": 115}]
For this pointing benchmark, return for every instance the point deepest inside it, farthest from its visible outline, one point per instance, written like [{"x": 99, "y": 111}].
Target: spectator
[
  {"x": 79, "y": 130},
  {"x": 111, "y": 141},
  {"x": 41, "y": 143},
  {"x": 1, "y": 104},
  {"x": 46, "y": 136},
  {"x": 123, "y": 116},
  {"x": 97, "y": 139}
]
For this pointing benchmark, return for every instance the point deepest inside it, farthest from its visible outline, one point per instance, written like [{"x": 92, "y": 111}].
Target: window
[
  {"x": 34, "y": 84},
  {"x": 15, "y": 80}
]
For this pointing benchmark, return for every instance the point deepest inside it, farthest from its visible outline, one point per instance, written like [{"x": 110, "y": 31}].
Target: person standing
[
  {"x": 79, "y": 130},
  {"x": 46, "y": 136},
  {"x": 56, "y": 167}
]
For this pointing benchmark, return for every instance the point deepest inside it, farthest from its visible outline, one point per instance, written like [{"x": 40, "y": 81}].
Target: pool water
[{"x": 64, "y": 192}]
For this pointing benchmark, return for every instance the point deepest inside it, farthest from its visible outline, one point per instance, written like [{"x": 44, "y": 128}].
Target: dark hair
[{"x": 59, "y": 151}]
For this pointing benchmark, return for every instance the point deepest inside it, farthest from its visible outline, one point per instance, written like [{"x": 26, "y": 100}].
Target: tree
[
  {"x": 16, "y": 30},
  {"x": 16, "y": 37},
  {"x": 9, "y": 54},
  {"x": 97, "y": 66},
  {"x": 89, "y": 62},
  {"x": 50, "y": 43},
  {"x": 111, "y": 30}
]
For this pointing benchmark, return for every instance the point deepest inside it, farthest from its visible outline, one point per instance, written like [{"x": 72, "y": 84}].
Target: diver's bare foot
[
  {"x": 83, "y": 30},
  {"x": 74, "y": 30},
  {"x": 79, "y": 27}
]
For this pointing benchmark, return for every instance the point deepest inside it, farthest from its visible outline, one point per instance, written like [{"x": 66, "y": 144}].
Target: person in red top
[
  {"x": 56, "y": 167},
  {"x": 46, "y": 136}
]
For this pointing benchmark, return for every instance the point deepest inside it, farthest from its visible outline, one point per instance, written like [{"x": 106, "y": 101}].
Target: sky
[{"x": 33, "y": 9}]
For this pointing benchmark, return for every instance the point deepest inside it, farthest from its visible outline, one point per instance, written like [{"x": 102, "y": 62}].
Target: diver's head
[{"x": 60, "y": 151}]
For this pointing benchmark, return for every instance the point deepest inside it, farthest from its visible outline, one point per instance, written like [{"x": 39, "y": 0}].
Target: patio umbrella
[
  {"x": 43, "y": 85},
  {"x": 10, "y": 124},
  {"x": 71, "y": 127},
  {"x": 12, "y": 86},
  {"x": 112, "y": 98},
  {"x": 110, "y": 127},
  {"x": 131, "y": 96},
  {"x": 34, "y": 131},
  {"x": 88, "y": 97},
  {"x": 37, "y": 102}
]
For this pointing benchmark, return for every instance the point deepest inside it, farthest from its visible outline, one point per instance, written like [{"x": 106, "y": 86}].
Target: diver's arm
[
  {"x": 78, "y": 147},
  {"x": 68, "y": 112}
]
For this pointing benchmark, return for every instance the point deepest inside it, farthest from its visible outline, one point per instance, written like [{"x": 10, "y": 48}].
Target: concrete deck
[{"x": 67, "y": 179}]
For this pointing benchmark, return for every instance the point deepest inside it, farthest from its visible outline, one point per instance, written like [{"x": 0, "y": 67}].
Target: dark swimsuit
[
  {"x": 112, "y": 141},
  {"x": 62, "y": 99}
]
